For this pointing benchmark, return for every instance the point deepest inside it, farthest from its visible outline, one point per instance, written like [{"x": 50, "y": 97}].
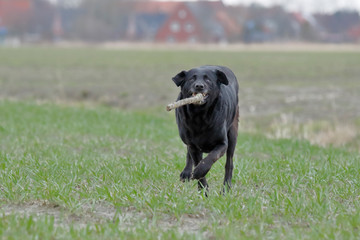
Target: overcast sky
[{"x": 306, "y": 6}]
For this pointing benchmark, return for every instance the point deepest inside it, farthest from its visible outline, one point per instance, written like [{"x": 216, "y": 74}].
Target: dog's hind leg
[{"x": 229, "y": 166}]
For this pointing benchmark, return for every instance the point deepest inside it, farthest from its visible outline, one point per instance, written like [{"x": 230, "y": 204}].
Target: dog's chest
[{"x": 201, "y": 134}]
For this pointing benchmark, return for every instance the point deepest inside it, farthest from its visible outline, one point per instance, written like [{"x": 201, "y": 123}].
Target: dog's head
[{"x": 204, "y": 80}]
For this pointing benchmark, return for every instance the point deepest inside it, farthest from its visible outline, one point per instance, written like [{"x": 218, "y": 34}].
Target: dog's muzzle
[{"x": 205, "y": 95}]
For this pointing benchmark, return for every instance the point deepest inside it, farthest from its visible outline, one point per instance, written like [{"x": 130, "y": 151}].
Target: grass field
[
  {"x": 87, "y": 150},
  {"x": 309, "y": 95}
]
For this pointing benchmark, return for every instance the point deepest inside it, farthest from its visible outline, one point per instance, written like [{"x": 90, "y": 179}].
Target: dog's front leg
[
  {"x": 192, "y": 157},
  {"x": 205, "y": 165}
]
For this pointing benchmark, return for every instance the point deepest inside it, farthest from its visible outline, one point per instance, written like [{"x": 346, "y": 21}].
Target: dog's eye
[
  {"x": 206, "y": 78},
  {"x": 193, "y": 78}
]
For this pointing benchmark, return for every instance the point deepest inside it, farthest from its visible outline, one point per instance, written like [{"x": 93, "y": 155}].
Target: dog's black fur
[{"x": 210, "y": 127}]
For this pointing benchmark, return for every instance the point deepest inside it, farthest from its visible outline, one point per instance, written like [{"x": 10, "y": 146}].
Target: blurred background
[
  {"x": 297, "y": 61},
  {"x": 231, "y": 21}
]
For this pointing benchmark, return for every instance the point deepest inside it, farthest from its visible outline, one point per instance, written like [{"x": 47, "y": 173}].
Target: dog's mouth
[{"x": 205, "y": 95}]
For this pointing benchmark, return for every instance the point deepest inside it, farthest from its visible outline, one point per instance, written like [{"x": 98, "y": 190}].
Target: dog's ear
[
  {"x": 179, "y": 78},
  {"x": 222, "y": 77}
]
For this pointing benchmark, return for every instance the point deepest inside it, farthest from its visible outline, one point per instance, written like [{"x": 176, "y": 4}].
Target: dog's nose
[{"x": 199, "y": 86}]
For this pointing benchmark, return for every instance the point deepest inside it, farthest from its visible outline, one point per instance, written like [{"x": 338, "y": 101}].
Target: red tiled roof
[
  {"x": 230, "y": 25},
  {"x": 14, "y": 5},
  {"x": 298, "y": 17},
  {"x": 10, "y": 9}
]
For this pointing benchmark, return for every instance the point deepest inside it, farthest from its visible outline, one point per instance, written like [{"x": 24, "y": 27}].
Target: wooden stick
[{"x": 196, "y": 99}]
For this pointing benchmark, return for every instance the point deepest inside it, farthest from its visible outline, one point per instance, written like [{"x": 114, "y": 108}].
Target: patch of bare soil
[
  {"x": 34, "y": 209},
  {"x": 88, "y": 215},
  {"x": 62, "y": 217}
]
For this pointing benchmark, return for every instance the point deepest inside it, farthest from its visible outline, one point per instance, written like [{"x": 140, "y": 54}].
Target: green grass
[
  {"x": 254, "y": 68},
  {"x": 87, "y": 150},
  {"x": 307, "y": 86},
  {"x": 71, "y": 163}
]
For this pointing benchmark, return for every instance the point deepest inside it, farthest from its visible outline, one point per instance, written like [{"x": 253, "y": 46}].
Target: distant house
[
  {"x": 180, "y": 26},
  {"x": 354, "y": 34},
  {"x": 340, "y": 26},
  {"x": 147, "y": 18},
  {"x": 215, "y": 22},
  {"x": 27, "y": 20},
  {"x": 181, "y": 22},
  {"x": 266, "y": 24},
  {"x": 13, "y": 12}
]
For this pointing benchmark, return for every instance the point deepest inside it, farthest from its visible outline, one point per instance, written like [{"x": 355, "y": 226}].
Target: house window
[
  {"x": 175, "y": 26},
  {"x": 189, "y": 27},
  {"x": 182, "y": 14}
]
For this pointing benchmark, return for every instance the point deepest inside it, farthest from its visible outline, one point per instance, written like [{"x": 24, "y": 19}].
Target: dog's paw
[
  {"x": 200, "y": 171},
  {"x": 185, "y": 176}
]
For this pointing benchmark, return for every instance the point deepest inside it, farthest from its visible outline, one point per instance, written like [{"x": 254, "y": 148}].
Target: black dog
[{"x": 210, "y": 126}]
